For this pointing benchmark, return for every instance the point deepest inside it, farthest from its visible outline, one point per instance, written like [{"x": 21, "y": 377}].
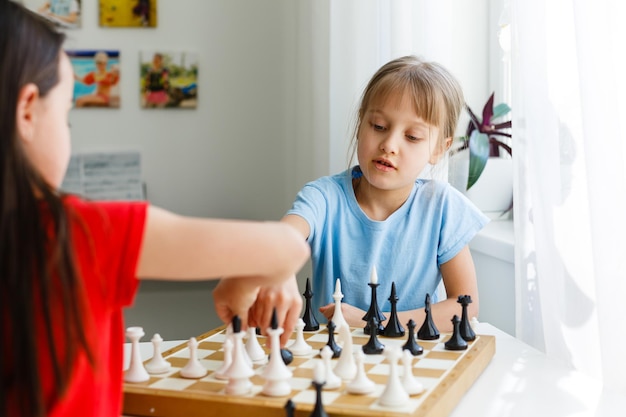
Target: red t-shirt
[{"x": 107, "y": 238}]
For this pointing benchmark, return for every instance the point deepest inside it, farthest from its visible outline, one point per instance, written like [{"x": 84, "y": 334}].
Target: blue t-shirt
[{"x": 429, "y": 229}]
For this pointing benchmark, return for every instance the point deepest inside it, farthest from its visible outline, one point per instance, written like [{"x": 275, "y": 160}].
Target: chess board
[{"x": 446, "y": 376}]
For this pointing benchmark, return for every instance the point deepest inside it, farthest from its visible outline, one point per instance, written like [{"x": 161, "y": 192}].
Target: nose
[{"x": 389, "y": 143}]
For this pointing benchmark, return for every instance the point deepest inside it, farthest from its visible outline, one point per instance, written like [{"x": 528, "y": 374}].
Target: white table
[{"x": 520, "y": 381}]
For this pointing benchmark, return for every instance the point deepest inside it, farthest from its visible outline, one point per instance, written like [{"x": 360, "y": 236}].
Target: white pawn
[
  {"x": 300, "y": 347},
  {"x": 361, "y": 384},
  {"x": 338, "y": 318},
  {"x": 409, "y": 382},
  {"x": 394, "y": 394},
  {"x": 276, "y": 373},
  {"x": 332, "y": 380},
  {"x": 136, "y": 371},
  {"x": 193, "y": 369},
  {"x": 227, "y": 348},
  {"x": 239, "y": 371},
  {"x": 346, "y": 368},
  {"x": 253, "y": 347},
  {"x": 157, "y": 365},
  {"x": 474, "y": 323}
]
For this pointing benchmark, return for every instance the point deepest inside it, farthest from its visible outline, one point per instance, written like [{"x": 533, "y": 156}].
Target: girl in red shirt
[{"x": 68, "y": 266}]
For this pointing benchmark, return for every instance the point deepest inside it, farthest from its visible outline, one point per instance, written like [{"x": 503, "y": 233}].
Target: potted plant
[{"x": 484, "y": 140}]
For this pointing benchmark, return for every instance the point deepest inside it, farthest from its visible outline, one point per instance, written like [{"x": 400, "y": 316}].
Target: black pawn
[
  {"x": 310, "y": 322},
  {"x": 373, "y": 346},
  {"x": 467, "y": 333},
  {"x": 332, "y": 344},
  {"x": 428, "y": 331},
  {"x": 374, "y": 311},
  {"x": 393, "y": 328},
  {"x": 289, "y": 408},
  {"x": 318, "y": 411},
  {"x": 456, "y": 342},
  {"x": 411, "y": 344}
]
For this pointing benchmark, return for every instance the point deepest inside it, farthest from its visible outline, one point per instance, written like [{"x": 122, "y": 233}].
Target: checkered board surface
[{"x": 446, "y": 376}]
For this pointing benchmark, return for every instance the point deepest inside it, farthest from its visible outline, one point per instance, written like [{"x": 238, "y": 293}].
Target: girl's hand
[
  {"x": 353, "y": 315},
  {"x": 286, "y": 299},
  {"x": 235, "y": 296}
]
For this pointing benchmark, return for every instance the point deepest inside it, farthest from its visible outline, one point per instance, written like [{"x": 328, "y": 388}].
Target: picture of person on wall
[
  {"x": 156, "y": 83},
  {"x": 63, "y": 13},
  {"x": 99, "y": 85}
]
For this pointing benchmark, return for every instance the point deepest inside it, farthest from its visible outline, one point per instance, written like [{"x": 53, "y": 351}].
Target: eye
[{"x": 378, "y": 128}]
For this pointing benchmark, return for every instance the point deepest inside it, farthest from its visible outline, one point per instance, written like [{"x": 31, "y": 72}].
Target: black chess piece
[
  {"x": 467, "y": 333},
  {"x": 318, "y": 411},
  {"x": 332, "y": 344},
  {"x": 393, "y": 328},
  {"x": 236, "y": 323},
  {"x": 289, "y": 408},
  {"x": 456, "y": 342},
  {"x": 411, "y": 344},
  {"x": 310, "y": 322},
  {"x": 373, "y": 345},
  {"x": 428, "y": 331},
  {"x": 374, "y": 311}
]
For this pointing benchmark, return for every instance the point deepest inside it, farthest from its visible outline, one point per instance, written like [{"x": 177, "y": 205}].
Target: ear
[
  {"x": 445, "y": 146},
  {"x": 25, "y": 111}
]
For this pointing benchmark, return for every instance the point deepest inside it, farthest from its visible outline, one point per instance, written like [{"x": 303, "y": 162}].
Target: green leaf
[
  {"x": 500, "y": 110},
  {"x": 479, "y": 153}
]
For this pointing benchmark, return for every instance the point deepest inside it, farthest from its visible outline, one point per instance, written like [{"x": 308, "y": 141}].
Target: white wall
[{"x": 245, "y": 151}]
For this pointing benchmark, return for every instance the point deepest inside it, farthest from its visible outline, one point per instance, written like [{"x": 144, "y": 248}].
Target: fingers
[
  {"x": 234, "y": 296},
  {"x": 328, "y": 310}
]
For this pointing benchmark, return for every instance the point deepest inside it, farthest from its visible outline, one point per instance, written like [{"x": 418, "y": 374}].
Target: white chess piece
[
  {"x": 276, "y": 373},
  {"x": 338, "y": 318},
  {"x": 361, "y": 384},
  {"x": 136, "y": 371},
  {"x": 409, "y": 382},
  {"x": 157, "y": 365},
  {"x": 346, "y": 367},
  {"x": 332, "y": 380},
  {"x": 193, "y": 369},
  {"x": 394, "y": 394},
  {"x": 239, "y": 371},
  {"x": 253, "y": 347},
  {"x": 300, "y": 347},
  {"x": 474, "y": 323},
  {"x": 227, "y": 348}
]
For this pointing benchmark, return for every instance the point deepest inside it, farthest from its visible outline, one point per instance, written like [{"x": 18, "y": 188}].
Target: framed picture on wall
[
  {"x": 96, "y": 77},
  {"x": 168, "y": 79},
  {"x": 128, "y": 13},
  {"x": 63, "y": 13}
]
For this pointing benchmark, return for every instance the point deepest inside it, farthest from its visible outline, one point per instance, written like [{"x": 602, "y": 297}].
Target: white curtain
[{"x": 569, "y": 129}]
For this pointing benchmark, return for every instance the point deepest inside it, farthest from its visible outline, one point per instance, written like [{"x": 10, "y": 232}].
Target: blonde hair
[{"x": 436, "y": 93}]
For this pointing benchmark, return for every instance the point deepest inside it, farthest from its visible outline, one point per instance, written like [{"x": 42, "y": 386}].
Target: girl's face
[
  {"x": 48, "y": 147},
  {"x": 394, "y": 144}
]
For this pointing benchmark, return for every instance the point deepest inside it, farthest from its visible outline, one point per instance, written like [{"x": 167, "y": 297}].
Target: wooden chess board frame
[{"x": 140, "y": 399}]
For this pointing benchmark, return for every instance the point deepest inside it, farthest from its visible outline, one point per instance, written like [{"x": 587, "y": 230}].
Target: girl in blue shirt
[{"x": 378, "y": 214}]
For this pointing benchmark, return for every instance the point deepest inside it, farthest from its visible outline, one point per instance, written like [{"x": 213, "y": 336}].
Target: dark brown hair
[{"x": 37, "y": 272}]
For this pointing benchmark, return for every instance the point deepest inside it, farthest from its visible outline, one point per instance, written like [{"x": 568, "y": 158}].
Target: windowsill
[{"x": 496, "y": 239}]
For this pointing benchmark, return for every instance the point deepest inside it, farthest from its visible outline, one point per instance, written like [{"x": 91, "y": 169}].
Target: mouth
[{"x": 383, "y": 164}]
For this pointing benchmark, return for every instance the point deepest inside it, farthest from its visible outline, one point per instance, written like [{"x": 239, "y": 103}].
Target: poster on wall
[
  {"x": 63, "y": 13},
  {"x": 168, "y": 79},
  {"x": 96, "y": 77},
  {"x": 128, "y": 13}
]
